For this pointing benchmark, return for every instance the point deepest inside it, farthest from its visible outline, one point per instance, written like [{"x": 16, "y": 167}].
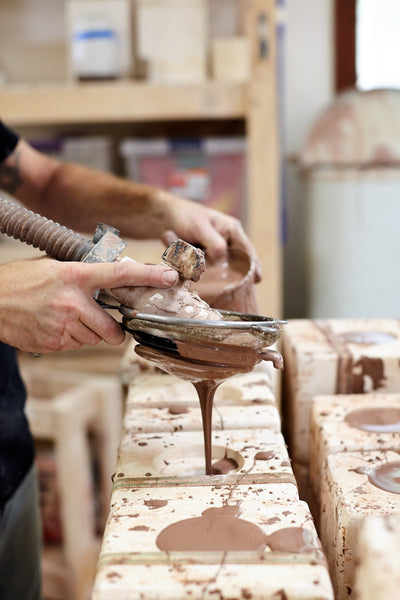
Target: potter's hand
[
  {"x": 46, "y": 305},
  {"x": 204, "y": 226}
]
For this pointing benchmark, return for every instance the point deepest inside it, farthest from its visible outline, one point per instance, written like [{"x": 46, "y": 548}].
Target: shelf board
[{"x": 122, "y": 101}]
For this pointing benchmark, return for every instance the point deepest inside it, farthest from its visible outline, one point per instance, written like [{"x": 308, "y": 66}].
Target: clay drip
[
  {"x": 386, "y": 477},
  {"x": 377, "y": 420},
  {"x": 218, "y": 529}
]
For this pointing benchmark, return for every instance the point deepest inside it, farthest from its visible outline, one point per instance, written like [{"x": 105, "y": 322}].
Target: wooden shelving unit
[
  {"x": 65, "y": 104},
  {"x": 130, "y": 102}
]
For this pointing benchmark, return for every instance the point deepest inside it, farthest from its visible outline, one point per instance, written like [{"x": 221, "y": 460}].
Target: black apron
[{"x": 16, "y": 443}]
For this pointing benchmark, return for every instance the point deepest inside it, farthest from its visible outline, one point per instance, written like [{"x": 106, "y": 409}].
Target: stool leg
[{"x": 76, "y": 490}]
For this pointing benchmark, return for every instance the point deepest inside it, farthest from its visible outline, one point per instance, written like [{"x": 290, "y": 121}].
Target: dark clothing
[
  {"x": 8, "y": 141},
  {"x": 16, "y": 444},
  {"x": 21, "y": 542}
]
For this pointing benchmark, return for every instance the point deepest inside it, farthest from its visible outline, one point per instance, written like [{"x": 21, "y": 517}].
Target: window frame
[{"x": 345, "y": 44}]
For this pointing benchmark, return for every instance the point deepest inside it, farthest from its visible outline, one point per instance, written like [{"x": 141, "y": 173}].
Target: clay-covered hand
[
  {"x": 47, "y": 305},
  {"x": 200, "y": 225}
]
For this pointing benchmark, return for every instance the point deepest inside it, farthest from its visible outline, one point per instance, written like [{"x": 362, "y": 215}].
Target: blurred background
[{"x": 328, "y": 142}]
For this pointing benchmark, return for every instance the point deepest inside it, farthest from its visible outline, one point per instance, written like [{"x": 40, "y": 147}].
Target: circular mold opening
[
  {"x": 189, "y": 461},
  {"x": 368, "y": 337}
]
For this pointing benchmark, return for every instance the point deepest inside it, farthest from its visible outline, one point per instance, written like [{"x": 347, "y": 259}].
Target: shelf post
[{"x": 263, "y": 153}]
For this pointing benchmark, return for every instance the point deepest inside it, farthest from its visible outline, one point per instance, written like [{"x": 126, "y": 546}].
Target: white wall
[{"x": 308, "y": 89}]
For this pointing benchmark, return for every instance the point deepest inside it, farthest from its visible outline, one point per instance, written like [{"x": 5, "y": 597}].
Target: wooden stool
[{"x": 64, "y": 408}]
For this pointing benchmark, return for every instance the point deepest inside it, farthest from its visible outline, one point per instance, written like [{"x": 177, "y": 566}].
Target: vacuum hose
[{"x": 33, "y": 229}]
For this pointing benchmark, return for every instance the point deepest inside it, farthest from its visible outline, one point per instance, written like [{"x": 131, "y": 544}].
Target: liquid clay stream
[
  {"x": 202, "y": 357},
  {"x": 206, "y": 377}
]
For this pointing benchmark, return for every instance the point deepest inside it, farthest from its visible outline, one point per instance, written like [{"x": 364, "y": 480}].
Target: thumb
[{"x": 126, "y": 274}]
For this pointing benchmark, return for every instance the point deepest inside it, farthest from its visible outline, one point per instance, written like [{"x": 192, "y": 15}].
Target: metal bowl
[{"x": 246, "y": 330}]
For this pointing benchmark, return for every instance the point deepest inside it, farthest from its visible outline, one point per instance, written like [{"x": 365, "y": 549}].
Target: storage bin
[
  {"x": 93, "y": 151},
  {"x": 211, "y": 171}
]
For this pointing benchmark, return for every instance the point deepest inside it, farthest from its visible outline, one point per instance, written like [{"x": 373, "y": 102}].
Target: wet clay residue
[
  {"x": 386, "y": 477},
  {"x": 221, "y": 529},
  {"x": 365, "y": 375},
  {"x": 381, "y": 419},
  {"x": 373, "y": 368},
  {"x": 225, "y": 465},
  {"x": 227, "y": 283},
  {"x": 178, "y": 410},
  {"x": 264, "y": 455},
  {"x": 218, "y": 529},
  {"x": 367, "y": 366},
  {"x": 154, "y": 504},
  {"x": 291, "y": 539}
]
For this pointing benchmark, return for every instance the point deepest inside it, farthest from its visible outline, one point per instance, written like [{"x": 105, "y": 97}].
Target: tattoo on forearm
[{"x": 10, "y": 175}]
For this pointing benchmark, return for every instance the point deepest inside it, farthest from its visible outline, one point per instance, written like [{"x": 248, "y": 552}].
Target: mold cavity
[
  {"x": 189, "y": 461},
  {"x": 367, "y": 337}
]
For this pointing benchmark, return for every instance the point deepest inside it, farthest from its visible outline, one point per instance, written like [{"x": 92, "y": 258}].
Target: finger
[
  {"x": 99, "y": 323},
  {"x": 214, "y": 242},
  {"x": 235, "y": 236},
  {"x": 122, "y": 274},
  {"x": 169, "y": 237},
  {"x": 83, "y": 334}
]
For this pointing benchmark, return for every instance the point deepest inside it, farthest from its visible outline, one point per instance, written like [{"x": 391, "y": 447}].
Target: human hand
[
  {"x": 213, "y": 230},
  {"x": 47, "y": 305}
]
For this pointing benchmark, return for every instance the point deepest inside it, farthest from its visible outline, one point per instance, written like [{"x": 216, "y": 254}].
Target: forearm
[{"x": 79, "y": 197}]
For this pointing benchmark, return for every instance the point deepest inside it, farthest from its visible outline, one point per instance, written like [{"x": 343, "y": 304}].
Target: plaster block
[
  {"x": 133, "y": 566},
  {"x": 335, "y": 356},
  {"x": 177, "y": 458},
  {"x": 332, "y": 432},
  {"x": 378, "y": 573},
  {"x": 188, "y": 418},
  {"x": 158, "y": 390},
  {"x": 348, "y": 498}
]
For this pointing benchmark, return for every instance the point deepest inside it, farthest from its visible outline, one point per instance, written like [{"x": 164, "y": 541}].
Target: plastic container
[
  {"x": 352, "y": 168},
  {"x": 211, "y": 171},
  {"x": 98, "y": 34},
  {"x": 95, "y": 49}
]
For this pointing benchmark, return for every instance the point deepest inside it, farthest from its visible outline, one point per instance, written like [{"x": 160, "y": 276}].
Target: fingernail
[{"x": 170, "y": 276}]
